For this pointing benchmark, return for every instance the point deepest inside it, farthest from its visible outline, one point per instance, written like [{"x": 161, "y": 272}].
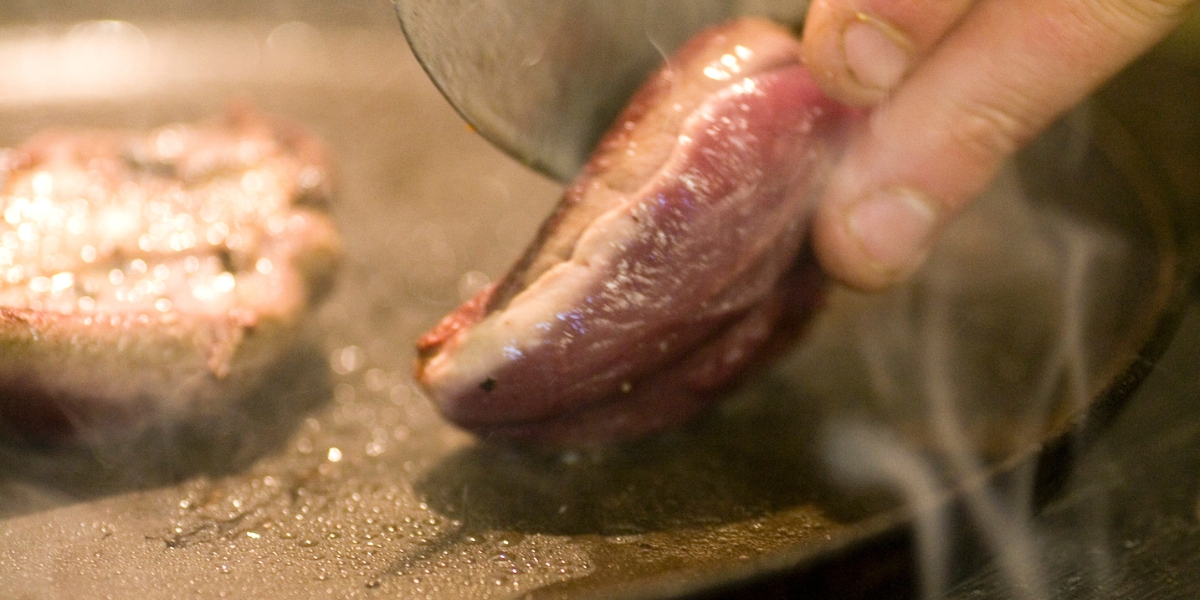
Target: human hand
[{"x": 958, "y": 86}]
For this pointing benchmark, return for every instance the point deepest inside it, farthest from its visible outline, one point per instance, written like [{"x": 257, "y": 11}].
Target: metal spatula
[{"x": 542, "y": 79}]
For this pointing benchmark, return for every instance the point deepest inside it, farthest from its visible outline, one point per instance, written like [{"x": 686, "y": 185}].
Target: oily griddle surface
[{"x": 339, "y": 480}]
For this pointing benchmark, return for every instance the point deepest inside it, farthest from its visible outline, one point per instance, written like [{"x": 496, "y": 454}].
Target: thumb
[{"x": 1007, "y": 70}]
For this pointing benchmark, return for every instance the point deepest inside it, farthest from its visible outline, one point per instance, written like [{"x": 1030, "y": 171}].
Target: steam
[
  {"x": 948, "y": 451},
  {"x": 871, "y": 456}
]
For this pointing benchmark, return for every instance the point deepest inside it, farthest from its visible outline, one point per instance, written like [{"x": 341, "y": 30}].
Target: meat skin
[{"x": 671, "y": 266}]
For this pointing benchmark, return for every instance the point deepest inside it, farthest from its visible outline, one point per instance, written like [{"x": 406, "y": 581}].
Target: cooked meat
[
  {"x": 146, "y": 276},
  {"x": 671, "y": 265}
]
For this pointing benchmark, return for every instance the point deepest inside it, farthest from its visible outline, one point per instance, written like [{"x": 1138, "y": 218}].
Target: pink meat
[{"x": 671, "y": 266}]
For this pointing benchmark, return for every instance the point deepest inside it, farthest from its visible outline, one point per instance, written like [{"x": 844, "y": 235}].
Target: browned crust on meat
[
  {"x": 60, "y": 371},
  {"x": 466, "y": 315}
]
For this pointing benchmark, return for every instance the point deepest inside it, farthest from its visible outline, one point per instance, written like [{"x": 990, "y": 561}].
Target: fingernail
[
  {"x": 876, "y": 55},
  {"x": 894, "y": 228}
]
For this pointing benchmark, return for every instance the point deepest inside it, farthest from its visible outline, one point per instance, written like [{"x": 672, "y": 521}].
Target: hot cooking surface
[{"x": 338, "y": 479}]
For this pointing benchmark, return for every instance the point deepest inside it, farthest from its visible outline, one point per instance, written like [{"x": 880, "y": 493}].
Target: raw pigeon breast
[{"x": 672, "y": 265}]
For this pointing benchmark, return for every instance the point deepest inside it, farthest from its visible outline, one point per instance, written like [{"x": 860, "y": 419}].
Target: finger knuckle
[{"x": 987, "y": 131}]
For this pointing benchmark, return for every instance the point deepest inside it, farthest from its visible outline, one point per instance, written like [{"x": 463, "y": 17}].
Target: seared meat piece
[
  {"x": 670, "y": 266},
  {"x": 146, "y": 276}
]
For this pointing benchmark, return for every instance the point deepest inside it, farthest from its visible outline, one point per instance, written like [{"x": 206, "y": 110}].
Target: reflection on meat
[
  {"x": 671, "y": 266},
  {"x": 145, "y": 276}
]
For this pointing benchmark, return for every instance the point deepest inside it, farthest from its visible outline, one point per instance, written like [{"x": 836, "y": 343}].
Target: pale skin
[{"x": 956, "y": 87}]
